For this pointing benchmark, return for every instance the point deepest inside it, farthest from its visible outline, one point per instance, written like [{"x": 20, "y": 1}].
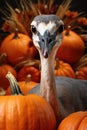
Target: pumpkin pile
[
  {"x": 22, "y": 58},
  {"x": 13, "y": 54},
  {"x": 19, "y": 56}
]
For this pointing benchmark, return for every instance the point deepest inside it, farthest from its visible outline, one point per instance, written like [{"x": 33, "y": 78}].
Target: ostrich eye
[
  {"x": 61, "y": 28},
  {"x": 33, "y": 29}
]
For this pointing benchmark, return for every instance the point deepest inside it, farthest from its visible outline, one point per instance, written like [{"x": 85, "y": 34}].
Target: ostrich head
[{"x": 47, "y": 34}]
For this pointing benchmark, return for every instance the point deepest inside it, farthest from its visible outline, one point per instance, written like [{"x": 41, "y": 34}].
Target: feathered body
[{"x": 71, "y": 94}]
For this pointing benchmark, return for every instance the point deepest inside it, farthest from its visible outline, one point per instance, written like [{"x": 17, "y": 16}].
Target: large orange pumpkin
[
  {"x": 25, "y": 112},
  {"x": 29, "y": 112},
  {"x": 75, "y": 121},
  {"x": 72, "y": 47},
  {"x": 17, "y": 47},
  {"x": 63, "y": 69},
  {"x": 3, "y": 71}
]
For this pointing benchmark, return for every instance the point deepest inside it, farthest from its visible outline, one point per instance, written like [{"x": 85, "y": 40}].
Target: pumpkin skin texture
[
  {"x": 72, "y": 47},
  {"x": 24, "y": 86},
  {"x": 64, "y": 69},
  {"x": 25, "y": 112},
  {"x": 18, "y": 47},
  {"x": 82, "y": 73},
  {"x": 29, "y": 70},
  {"x": 75, "y": 121},
  {"x": 3, "y": 71},
  {"x": 29, "y": 112}
]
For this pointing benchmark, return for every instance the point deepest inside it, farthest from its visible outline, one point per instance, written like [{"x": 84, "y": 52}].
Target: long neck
[
  {"x": 48, "y": 86},
  {"x": 47, "y": 78}
]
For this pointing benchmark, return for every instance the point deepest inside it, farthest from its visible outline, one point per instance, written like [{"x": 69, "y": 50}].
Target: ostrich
[{"x": 65, "y": 95}]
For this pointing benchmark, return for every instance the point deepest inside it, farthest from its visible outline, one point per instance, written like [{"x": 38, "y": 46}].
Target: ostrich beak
[
  {"x": 47, "y": 41},
  {"x": 44, "y": 47}
]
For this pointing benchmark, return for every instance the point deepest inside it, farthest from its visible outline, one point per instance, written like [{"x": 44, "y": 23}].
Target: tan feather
[{"x": 63, "y": 8}]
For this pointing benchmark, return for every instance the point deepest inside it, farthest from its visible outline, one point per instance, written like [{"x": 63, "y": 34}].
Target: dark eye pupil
[
  {"x": 33, "y": 29},
  {"x": 61, "y": 28}
]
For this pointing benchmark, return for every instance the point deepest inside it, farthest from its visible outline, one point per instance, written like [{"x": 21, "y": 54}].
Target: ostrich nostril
[
  {"x": 43, "y": 40},
  {"x": 50, "y": 40}
]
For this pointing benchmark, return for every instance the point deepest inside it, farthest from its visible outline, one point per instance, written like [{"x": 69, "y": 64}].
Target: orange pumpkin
[
  {"x": 63, "y": 69},
  {"x": 3, "y": 71},
  {"x": 75, "y": 121},
  {"x": 26, "y": 70},
  {"x": 18, "y": 47},
  {"x": 72, "y": 47},
  {"x": 29, "y": 112},
  {"x": 82, "y": 73},
  {"x": 25, "y": 112}
]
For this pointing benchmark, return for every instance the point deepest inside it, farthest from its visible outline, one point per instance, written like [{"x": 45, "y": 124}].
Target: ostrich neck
[
  {"x": 47, "y": 77},
  {"x": 48, "y": 86}
]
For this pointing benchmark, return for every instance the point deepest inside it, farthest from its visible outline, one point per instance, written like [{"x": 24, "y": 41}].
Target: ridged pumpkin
[
  {"x": 29, "y": 112},
  {"x": 25, "y": 112},
  {"x": 63, "y": 69},
  {"x": 75, "y": 121},
  {"x": 18, "y": 47},
  {"x": 29, "y": 70},
  {"x": 72, "y": 47}
]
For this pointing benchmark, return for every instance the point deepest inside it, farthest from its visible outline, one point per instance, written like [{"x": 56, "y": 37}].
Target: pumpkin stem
[
  {"x": 67, "y": 31},
  {"x": 2, "y": 58},
  {"x": 16, "y": 33},
  {"x": 13, "y": 84},
  {"x": 28, "y": 78}
]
